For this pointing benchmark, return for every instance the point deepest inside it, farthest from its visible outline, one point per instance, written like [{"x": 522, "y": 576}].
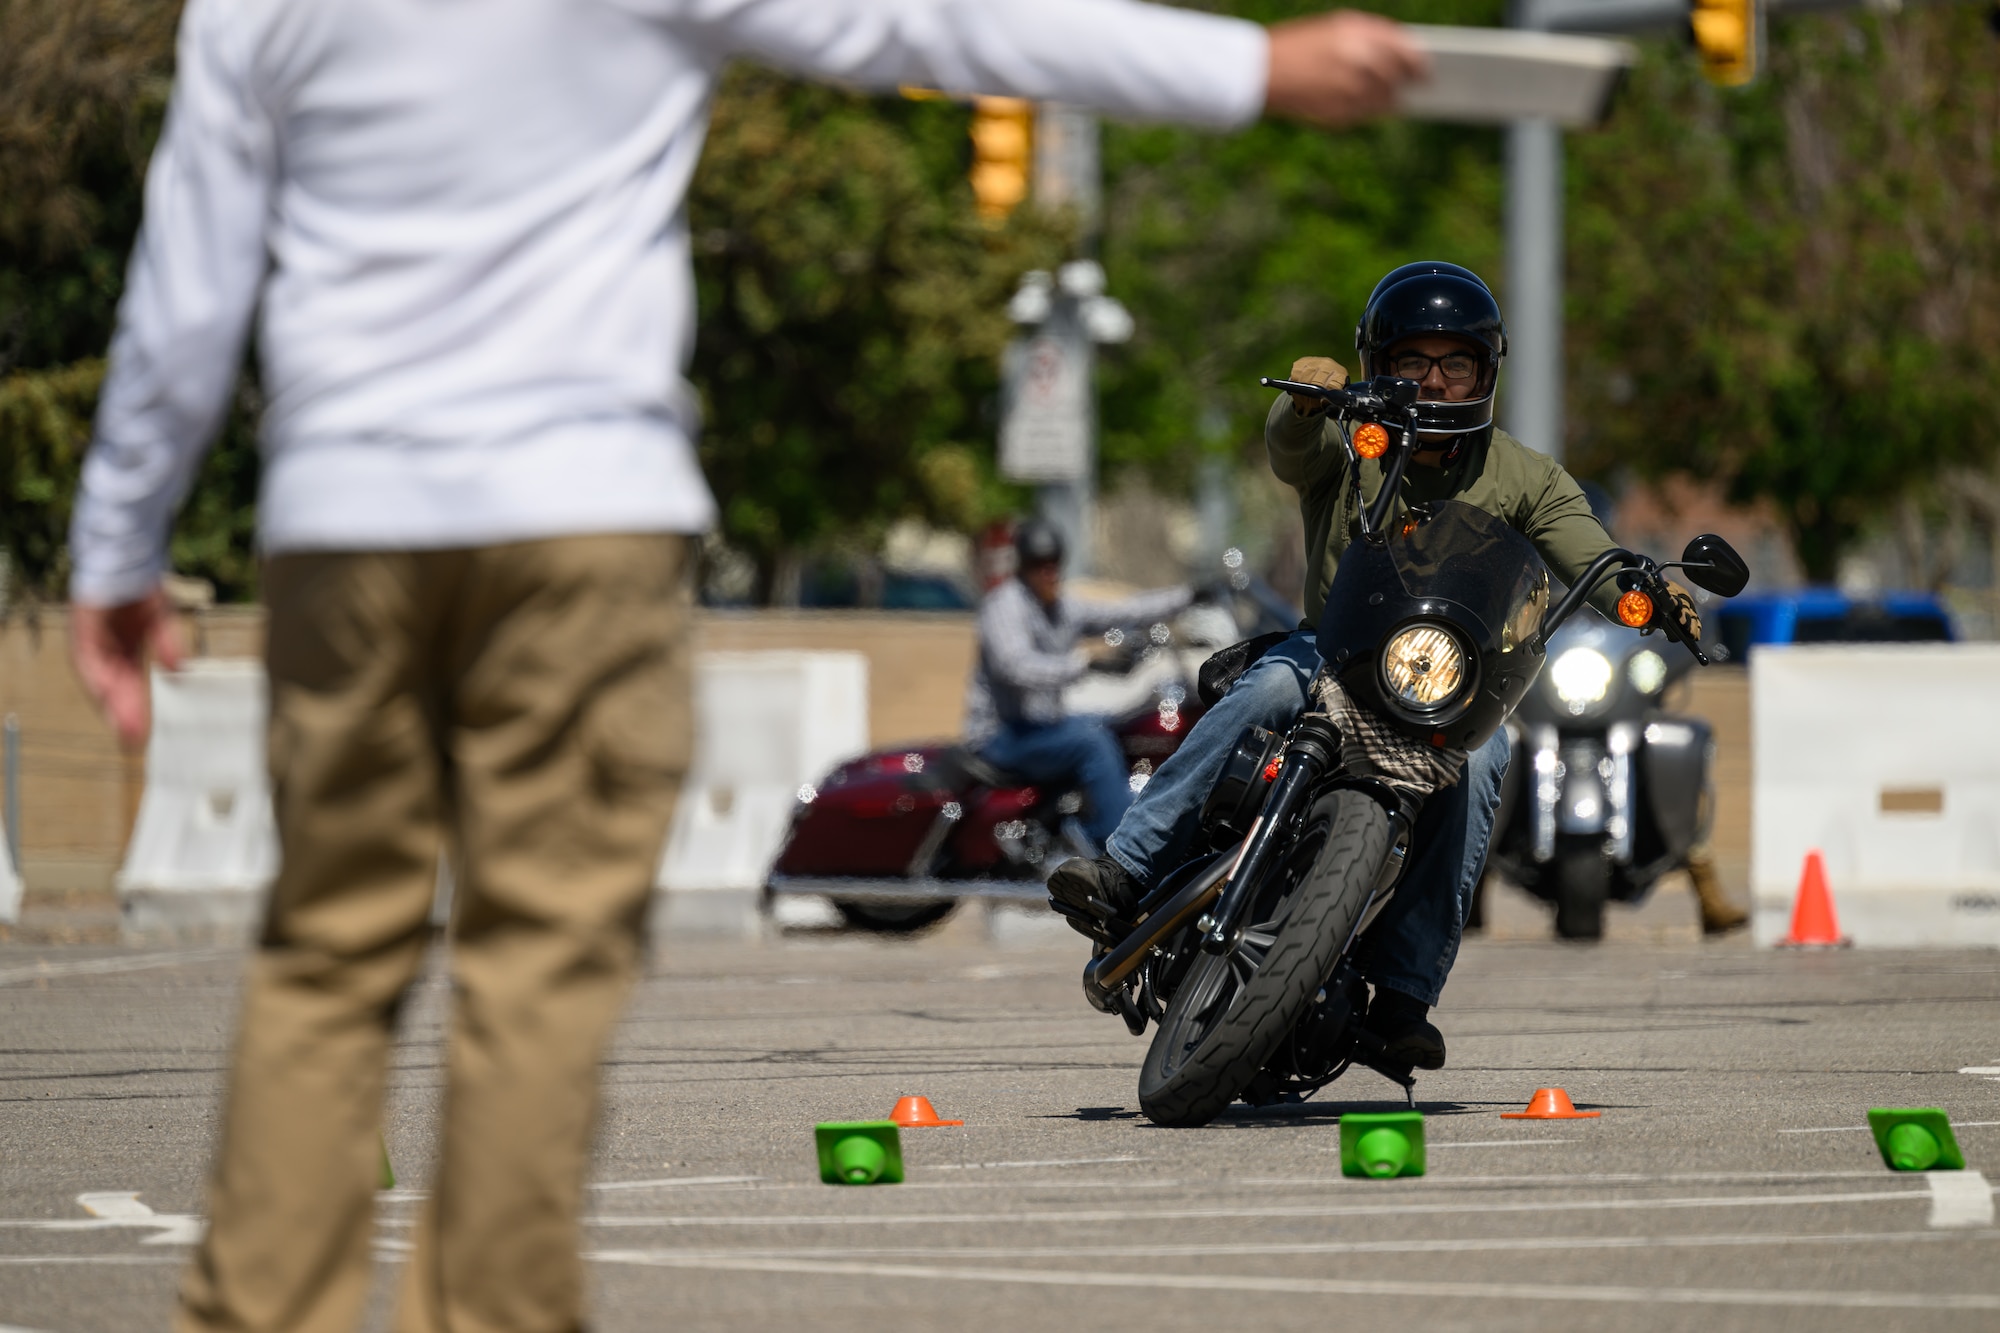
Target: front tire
[
  {"x": 1583, "y": 882},
  {"x": 1228, "y": 1014}
]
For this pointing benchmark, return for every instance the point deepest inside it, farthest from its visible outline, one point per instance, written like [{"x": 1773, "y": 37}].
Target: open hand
[
  {"x": 110, "y": 647},
  {"x": 1340, "y": 67}
]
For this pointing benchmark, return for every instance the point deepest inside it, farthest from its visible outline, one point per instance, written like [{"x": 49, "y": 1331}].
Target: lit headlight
[
  {"x": 1647, "y": 671},
  {"x": 1580, "y": 678},
  {"x": 1423, "y": 666}
]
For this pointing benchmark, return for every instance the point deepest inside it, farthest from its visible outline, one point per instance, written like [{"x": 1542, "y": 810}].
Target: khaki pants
[{"x": 525, "y": 709}]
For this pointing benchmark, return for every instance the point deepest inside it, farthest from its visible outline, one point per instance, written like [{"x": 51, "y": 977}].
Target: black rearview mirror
[{"x": 1712, "y": 563}]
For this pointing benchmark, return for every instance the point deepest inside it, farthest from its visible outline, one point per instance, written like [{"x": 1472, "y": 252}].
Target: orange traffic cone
[
  {"x": 917, "y": 1113},
  {"x": 1550, "y": 1104},
  {"x": 1814, "y": 925}
]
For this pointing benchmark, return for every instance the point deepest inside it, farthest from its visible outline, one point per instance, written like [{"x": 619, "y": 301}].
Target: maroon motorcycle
[{"x": 896, "y": 838}]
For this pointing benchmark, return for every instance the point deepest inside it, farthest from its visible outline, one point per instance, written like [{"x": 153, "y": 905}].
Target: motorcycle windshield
[{"x": 1460, "y": 553}]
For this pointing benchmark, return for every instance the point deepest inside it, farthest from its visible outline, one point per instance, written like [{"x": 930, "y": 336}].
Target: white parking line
[
  {"x": 60, "y": 1260},
  {"x": 1492, "y": 1143},
  {"x": 669, "y": 1182},
  {"x": 1504, "y": 1244},
  {"x": 1960, "y": 1199},
  {"x": 1003, "y": 1166},
  {"x": 1863, "y": 1129},
  {"x": 102, "y": 966},
  {"x": 1082, "y": 1216},
  {"x": 1527, "y": 1291}
]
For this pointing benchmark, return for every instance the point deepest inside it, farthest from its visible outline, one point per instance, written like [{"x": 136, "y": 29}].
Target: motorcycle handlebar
[{"x": 1647, "y": 579}]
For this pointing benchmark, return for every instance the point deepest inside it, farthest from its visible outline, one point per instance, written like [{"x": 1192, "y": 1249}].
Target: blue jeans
[
  {"x": 1412, "y": 945},
  {"x": 1074, "y": 749}
]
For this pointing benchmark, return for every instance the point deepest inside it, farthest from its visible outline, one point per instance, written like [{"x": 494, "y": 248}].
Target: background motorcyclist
[
  {"x": 1029, "y": 636},
  {"x": 1435, "y": 323}
]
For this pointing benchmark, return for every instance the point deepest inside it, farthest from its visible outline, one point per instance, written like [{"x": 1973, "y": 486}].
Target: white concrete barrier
[
  {"x": 204, "y": 847},
  {"x": 765, "y": 724},
  {"x": 1886, "y": 758}
]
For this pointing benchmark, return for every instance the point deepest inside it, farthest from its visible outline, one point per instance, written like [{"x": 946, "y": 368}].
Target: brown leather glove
[
  {"x": 1683, "y": 610},
  {"x": 1322, "y": 370}
]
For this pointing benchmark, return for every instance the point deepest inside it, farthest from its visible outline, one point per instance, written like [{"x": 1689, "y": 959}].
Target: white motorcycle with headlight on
[{"x": 1606, "y": 792}]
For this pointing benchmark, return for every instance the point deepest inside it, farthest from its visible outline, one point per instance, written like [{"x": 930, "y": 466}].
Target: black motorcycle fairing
[
  {"x": 1674, "y": 768},
  {"x": 1455, "y": 564}
]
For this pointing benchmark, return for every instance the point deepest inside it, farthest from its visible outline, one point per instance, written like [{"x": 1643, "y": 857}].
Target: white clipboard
[{"x": 1488, "y": 76}]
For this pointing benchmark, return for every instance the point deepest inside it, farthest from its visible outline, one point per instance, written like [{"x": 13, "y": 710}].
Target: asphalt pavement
[{"x": 1728, "y": 1184}]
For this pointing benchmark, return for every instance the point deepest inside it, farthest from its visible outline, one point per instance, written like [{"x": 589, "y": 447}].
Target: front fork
[{"x": 1312, "y": 751}]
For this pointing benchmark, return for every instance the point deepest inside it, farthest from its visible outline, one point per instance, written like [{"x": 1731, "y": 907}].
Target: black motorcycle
[
  {"x": 1433, "y": 630},
  {"x": 1606, "y": 791}
]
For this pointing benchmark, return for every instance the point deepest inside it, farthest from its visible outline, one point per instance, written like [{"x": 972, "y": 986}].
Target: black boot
[
  {"x": 1088, "y": 892},
  {"x": 1404, "y": 1026}
]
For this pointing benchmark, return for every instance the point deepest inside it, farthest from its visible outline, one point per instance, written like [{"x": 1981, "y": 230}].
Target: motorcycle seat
[{"x": 982, "y": 771}]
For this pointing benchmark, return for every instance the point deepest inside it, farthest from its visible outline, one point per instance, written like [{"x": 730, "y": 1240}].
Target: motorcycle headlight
[
  {"x": 1423, "y": 667},
  {"x": 1647, "y": 671},
  {"x": 1580, "y": 678}
]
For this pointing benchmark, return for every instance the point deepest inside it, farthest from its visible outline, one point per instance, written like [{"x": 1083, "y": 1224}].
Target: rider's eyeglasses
[{"x": 1417, "y": 366}]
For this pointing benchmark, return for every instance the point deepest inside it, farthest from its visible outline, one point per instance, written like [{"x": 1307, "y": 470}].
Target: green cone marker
[
  {"x": 859, "y": 1152},
  {"x": 1915, "y": 1139},
  {"x": 1382, "y": 1146}
]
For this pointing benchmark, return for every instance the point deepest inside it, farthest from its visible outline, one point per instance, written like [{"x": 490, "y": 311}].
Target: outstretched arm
[
  {"x": 1096, "y": 617},
  {"x": 1140, "y": 61}
]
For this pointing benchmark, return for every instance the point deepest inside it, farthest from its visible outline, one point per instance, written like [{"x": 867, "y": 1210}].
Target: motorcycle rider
[
  {"x": 1028, "y": 651},
  {"x": 1435, "y": 323}
]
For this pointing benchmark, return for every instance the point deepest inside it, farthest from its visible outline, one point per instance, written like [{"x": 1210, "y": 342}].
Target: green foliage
[
  {"x": 851, "y": 314},
  {"x": 44, "y": 429},
  {"x": 1795, "y": 288}
]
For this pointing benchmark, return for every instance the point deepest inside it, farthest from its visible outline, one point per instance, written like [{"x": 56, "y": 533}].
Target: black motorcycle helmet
[
  {"x": 1433, "y": 297},
  {"x": 1037, "y": 542}
]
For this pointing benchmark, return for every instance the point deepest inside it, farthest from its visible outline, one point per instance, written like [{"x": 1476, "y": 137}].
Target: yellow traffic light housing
[
  {"x": 1003, "y": 133},
  {"x": 1727, "y": 33}
]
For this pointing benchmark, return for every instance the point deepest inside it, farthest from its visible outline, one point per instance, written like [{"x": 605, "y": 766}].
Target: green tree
[
  {"x": 1794, "y": 289},
  {"x": 851, "y": 314}
]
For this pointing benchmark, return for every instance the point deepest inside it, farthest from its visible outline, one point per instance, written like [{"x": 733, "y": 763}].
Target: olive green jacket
[{"x": 1529, "y": 491}]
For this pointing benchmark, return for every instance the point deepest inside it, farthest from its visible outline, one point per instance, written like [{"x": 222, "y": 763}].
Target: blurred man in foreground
[
  {"x": 459, "y": 230},
  {"x": 1028, "y": 651}
]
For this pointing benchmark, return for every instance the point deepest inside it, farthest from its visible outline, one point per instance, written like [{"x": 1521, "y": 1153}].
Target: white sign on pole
[
  {"x": 1045, "y": 435},
  {"x": 1488, "y": 76}
]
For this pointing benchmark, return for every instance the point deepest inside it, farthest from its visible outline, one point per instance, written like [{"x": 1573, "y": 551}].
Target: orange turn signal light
[
  {"x": 1372, "y": 440},
  {"x": 1635, "y": 609}
]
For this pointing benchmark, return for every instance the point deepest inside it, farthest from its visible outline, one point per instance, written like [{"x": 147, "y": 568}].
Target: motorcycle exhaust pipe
[{"x": 1104, "y": 975}]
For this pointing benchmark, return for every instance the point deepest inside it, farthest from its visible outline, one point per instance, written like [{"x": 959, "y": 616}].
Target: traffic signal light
[
  {"x": 1726, "y": 32},
  {"x": 1002, "y": 139}
]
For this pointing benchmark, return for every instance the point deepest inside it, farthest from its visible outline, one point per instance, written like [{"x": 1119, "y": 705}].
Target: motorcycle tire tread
[{"x": 1331, "y": 898}]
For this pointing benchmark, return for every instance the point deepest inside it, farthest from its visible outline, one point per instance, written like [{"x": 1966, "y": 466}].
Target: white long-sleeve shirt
[{"x": 459, "y": 229}]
